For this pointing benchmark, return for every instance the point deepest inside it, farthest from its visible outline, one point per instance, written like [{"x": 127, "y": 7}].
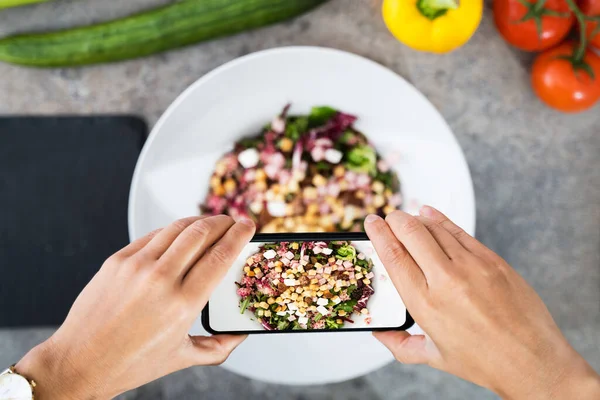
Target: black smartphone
[{"x": 306, "y": 282}]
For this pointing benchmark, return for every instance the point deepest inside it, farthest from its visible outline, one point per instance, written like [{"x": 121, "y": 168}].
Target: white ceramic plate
[{"x": 172, "y": 174}]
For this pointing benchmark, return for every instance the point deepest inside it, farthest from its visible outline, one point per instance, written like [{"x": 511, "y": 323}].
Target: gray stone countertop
[{"x": 536, "y": 171}]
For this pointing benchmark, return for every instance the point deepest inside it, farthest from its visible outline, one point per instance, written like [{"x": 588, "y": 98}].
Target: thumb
[
  {"x": 406, "y": 348},
  {"x": 213, "y": 350}
]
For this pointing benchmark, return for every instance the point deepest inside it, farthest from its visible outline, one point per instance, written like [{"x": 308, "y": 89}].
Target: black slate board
[{"x": 64, "y": 188}]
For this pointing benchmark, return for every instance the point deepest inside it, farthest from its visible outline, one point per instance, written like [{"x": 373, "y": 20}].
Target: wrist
[
  {"x": 565, "y": 377},
  {"x": 55, "y": 375}
]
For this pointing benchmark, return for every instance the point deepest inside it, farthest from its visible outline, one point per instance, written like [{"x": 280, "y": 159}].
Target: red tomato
[
  {"x": 557, "y": 84},
  {"x": 525, "y": 35},
  {"x": 591, "y": 8}
]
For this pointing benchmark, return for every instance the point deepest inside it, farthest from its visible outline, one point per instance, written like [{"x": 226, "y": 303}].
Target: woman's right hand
[{"x": 483, "y": 322}]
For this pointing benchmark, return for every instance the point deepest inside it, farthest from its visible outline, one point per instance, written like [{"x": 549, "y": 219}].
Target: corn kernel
[
  {"x": 260, "y": 175},
  {"x": 339, "y": 171},
  {"x": 359, "y": 276},
  {"x": 364, "y": 311},
  {"x": 319, "y": 293},
  {"x": 270, "y": 300},
  {"x": 278, "y": 269},
  {"x": 319, "y": 180},
  {"x": 312, "y": 272},
  {"x": 312, "y": 209},
  {"x": 219, "y": 191},
  {"x": 229, "y": 185},
  {"x": 215, "y": 181},
  {"x": 267, "y": 313},
  {"x": 310, "y": 193},
  {"x": 323, "y": 288},
  {"x": 246, "y": 269},
  {"x": 314, "y": 281},
  {"x": 260, "y": 312},
  {"x": 389, "y": 209},
  {"x": 360, "y": 194},
  {"x": 378, "y": 201},
  {"x": 367, "y": 281},
  {"x": 261, "y": 186},
  {"x": 331, "y": 260},
  {"x": 378, "y": 187},
  {"x": 257, "y": 270},
  {"x": 250, "y": 273},
  {"x": 312, "y": 308},
  {"x": 294, "y": 296},
  {"x": 302, "y": 310},
  {"x": 339, "y": 321},
  {"x": 294, "y": 245},
  {"x": 286, "y": 144},
  {"x": 341, "y": 313},
  {"x": 264, "y": 304},
  {"x": 353, "y": 281}
]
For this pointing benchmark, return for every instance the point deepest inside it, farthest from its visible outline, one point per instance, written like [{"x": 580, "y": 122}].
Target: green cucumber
[
  {"x": 175, "y": 25},
  {"x": 18, "y": 3}
]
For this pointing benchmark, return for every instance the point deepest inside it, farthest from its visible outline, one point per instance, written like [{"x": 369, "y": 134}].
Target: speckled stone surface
[{"x": 536, "y": 171}]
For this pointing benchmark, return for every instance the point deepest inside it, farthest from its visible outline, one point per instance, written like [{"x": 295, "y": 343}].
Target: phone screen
[{"x": 306, "y": 282}]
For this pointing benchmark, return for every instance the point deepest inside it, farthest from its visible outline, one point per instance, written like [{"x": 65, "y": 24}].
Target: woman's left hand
[{"x": 130, "y": 324}]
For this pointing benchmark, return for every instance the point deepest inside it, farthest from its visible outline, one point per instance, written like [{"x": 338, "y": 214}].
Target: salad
[
  {"x": 306, "y": 285},
  {"x": 306, "y": 173}
]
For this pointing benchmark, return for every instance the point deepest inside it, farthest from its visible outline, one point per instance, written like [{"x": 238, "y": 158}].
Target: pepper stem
[{"x": 433, "y": 9}]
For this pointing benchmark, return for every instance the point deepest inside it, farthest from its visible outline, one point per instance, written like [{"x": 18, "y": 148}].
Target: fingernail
[
  {"x": 372, "y": 218},
  {"x": 247, "y": 222},
  {"x": 427, "y": 211}
]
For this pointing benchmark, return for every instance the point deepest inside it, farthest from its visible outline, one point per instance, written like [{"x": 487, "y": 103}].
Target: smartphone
[{"x": 306, "y": 282}]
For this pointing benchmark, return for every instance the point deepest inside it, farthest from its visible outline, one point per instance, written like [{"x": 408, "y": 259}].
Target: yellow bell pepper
[{"x": 437, "y": 26}]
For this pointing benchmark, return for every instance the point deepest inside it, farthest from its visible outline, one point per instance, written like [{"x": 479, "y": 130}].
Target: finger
[
  {"x": 191, "y": 244},
  {"x": 161, "y": 242},
  {"x": 213, "y": 350},
  {"x": 466, "y": 240},
  {"x": 423, "y": 248},
  {"x": 406, "y": 348},
  {"x": 137, "y": 244},
  {"x": 447, "y": 242},
  {"x": 406, "y": 275},
  {"x": 206, "y": 274}
]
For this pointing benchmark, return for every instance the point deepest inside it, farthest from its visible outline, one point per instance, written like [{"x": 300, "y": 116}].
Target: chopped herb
[
  {"x": 346, "y": 253},
  {"x": 323, "y": 166},
  {"x": 296, "y": 256},
  {"x": 350, "y": 289},
  {"x": 386, "y": 178},
  {"x": 362, "y": 263},
  {"x": 282, "y": 325},
  {"x": 331, "y": 324},
  {"x": 250, "y": 142},
  {"x": 320, "y": 115},
  {"x": 296, "y": 127},
  {"x": 296, "y": 326},
  {"x": 347, "y": 136},
  {"x": 270, "y": 246},
  {"x": 244, "y": 305},
  {"x": 347, "y": 306},
  {"x": 362, "y": 158}
]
